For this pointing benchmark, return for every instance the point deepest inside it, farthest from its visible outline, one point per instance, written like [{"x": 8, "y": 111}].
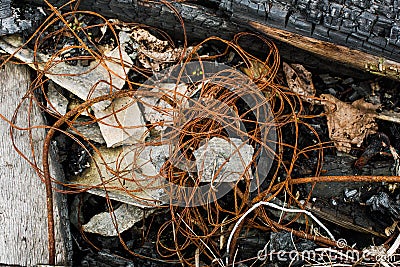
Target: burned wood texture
[
  {"x": 16, "y": 20},
  {"x": 371, "y": 26},
  {"x": 350, "y": 216},
  {"x": 333, "y": 201},
  {"x": 23, "y": 214},
  {"x": 339, "y": 53}
]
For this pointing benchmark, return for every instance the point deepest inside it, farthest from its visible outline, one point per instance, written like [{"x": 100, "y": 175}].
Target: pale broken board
[
  {"x": 128, "y": 174},
  {"x": 23, "y": 214},
  {"x": 98, "y": 79}
]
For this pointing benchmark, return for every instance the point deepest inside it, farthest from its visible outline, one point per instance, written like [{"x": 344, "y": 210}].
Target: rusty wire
[{"x": 204, "y": 227}]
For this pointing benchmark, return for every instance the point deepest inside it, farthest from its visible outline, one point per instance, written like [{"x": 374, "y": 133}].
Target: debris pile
[{"x": 188, "y": 158}]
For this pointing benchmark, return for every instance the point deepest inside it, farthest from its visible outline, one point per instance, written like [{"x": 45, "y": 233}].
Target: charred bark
[
  {"x": 16, "y": 20},
  {"x": 368, "y": 27},
  {"x": 371, "y": 26}
]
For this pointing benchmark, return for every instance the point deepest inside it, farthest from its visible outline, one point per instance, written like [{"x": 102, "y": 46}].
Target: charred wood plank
[
  {"x": 355, "y": 26},
  {"x": 348, "y": 213},
  {"x": 370, "y": 26},
  {"x": 338, "y": 53}
]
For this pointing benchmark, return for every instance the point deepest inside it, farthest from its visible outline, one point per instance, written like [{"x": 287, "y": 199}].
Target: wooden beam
[
  {"x": 23, "y": 214},
  {"x": 338, "y": 53}
]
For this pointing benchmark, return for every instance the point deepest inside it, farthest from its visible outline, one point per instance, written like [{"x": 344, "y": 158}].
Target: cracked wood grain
[{"x": 23, "y": 216}]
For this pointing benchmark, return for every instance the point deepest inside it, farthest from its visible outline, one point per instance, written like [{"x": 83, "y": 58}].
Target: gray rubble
[
  {"x": 122, "y": 123},
  {"x": 125, "y": 217},
  {"x": 57, "y": 103},
  {"x": 129, "y": 174},
  {"x": 220, "y": 160},
  {"x": 88, "y": 129},
  {"x": 16, "y": 20},
  {"x": 98, "y": 79},
  {"x": 156, "y": 110}
]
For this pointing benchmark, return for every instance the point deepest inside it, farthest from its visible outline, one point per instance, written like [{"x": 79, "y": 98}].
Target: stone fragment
[
  {"x": 57, "y": 103},
  {"x": 125, "y": 217},
  {"x": 129, "y": 174},
  {"x": 156, "y": 110},
  {"x": 88, "y": 129},
  {"x": 100, "y": 78},
  {"x": 122, "y": 123},
  {"x": 220, "y": 160}
]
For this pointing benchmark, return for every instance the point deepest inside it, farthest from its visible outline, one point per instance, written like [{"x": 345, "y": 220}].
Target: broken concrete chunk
[
  {"x": 129, "y": 174},
  {"x": 57, "y": 103},
  {"x": 122, "y": 123},
  {"x": 157, "y": 113},
  {"x": 100, "y": 78},
  {"x": 88, "y": 129},
  {"x": 125, "y": 217},
  {"x": 157, "y": 155},
  {"x": 156, "y": 110},
  {"x": 220, "y": 160}
]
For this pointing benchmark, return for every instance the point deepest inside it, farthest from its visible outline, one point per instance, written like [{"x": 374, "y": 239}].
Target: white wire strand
[
  {"x": 221, "y": 263},
  {"x": 272, "y": 205}
]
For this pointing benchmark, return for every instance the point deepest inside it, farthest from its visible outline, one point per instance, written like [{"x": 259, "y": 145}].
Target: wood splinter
[{"x": 350, "y": 57}]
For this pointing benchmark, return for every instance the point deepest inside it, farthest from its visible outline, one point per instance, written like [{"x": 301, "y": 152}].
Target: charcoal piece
[
  {"x": 378, "y": 41},
  {"x": 366, "y": 22},
  {"x": 300, "y": 23},
  {"x": 381, "y": 202},
  {"x": 337, "y": 36},
  {"x": 5, "y": 9},
  {"x": 354, "y": 42},
  {"x": 394, "y": 35},
  {"x": 281, "y": 241},
  {"x": 105, "y": 258},
  {"x": 321, "y": 33},
  {"x": 284, "y": 242},
  {"x": 378, "y": 143}
]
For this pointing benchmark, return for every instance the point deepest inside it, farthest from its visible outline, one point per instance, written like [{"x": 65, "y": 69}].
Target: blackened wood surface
[{"x": 372, "y": 26}]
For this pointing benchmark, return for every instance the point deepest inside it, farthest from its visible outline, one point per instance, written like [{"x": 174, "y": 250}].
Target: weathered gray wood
[{"x": 23, "y": 214}]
